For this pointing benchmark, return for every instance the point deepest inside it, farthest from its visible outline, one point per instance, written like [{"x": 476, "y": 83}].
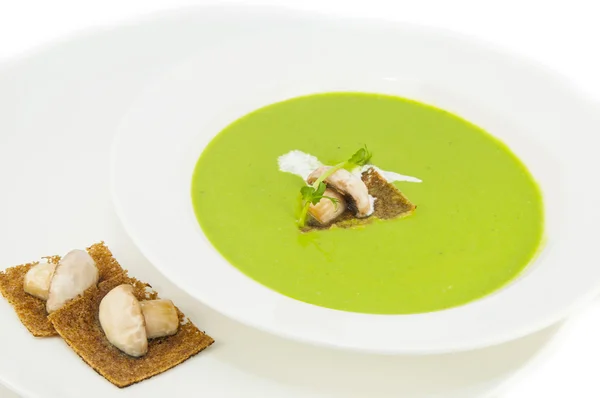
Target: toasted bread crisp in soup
[
  {"x": 78, "y": 325},
  {"x": 32, "y": 310},
  {"x": 390, "y": 202}
]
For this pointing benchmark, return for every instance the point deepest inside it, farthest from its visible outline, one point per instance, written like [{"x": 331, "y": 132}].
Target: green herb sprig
[{"x": 311, "y": 195}]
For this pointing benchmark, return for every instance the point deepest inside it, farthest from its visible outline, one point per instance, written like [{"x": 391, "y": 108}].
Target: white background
[{"x": 561, "y": 34}]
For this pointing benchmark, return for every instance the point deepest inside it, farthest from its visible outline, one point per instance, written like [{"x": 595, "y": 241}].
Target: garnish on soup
[{"x": 345, "y": 192}]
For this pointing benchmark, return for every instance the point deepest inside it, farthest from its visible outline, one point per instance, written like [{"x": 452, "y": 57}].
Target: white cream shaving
[
  {"x": 298, "y": 163},
  {"x": 302, "y": 164}
]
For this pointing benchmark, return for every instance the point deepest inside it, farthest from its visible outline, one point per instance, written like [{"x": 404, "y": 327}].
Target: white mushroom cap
[
  {"x": 37, "y": 279},
  {"x": 326, "y": 211},
  {"x": 161, "y": 318},
  {"x": 75, "y": 273},
  {"x": 349, "y": 184},
  {"x": 122, "y": 320}
]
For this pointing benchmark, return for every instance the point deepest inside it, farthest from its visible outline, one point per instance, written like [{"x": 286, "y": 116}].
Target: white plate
[
  {"x": 243, "y": 68},
  {"x": 59, "y": 108}
]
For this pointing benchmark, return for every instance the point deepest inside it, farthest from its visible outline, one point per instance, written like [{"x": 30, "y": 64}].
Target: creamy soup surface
[{"x": 478, "y": 223}]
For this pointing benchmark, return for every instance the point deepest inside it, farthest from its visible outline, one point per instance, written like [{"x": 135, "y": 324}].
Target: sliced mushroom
[
  {"x": 74, "y": 274},
  {"x": 37, "y": 279},
  {"x": 326, "y": 211},
  {"x": 122, "y": 320},
  {"x": 349, "y": 184},
  {"x": 161, "y": 318}
]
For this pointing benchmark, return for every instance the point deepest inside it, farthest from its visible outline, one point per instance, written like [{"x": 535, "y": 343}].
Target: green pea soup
[{"x": 478, "y": 223}]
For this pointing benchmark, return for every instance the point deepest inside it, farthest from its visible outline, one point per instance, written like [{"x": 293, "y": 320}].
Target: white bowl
[{"x": 272, "y": 55}]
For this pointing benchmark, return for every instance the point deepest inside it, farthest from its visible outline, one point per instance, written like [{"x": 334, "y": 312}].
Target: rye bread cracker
[
  {"x": 78, "y": 324},
  {"x": 32, "y": 310}
]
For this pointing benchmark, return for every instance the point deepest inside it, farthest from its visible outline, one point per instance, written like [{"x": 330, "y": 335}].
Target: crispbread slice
[
  {"x": 31, "y": 310},
  {"x": 78, "y": 325}
]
